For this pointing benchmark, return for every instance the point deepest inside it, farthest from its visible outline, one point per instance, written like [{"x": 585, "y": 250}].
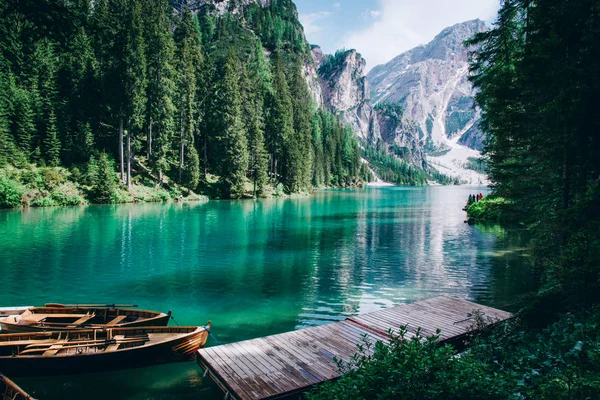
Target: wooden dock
[{"x": 290, "y": 363}]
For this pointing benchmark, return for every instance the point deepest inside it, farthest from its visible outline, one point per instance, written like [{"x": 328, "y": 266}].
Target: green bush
[
  {"x": 489, "y": 209},
  {"x": 52, "y": 177},
  {"x": 160, "y": 195},
  {"x": 11, "y": 192},
  {"x": 66, "y": 199},
  {"x": 32, "y": 178},
  {"x": 414, "y": 368},
  {"x": 45, "y": 201}
]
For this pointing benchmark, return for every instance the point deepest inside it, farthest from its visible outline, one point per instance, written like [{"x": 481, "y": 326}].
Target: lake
[{"x": 253, "y": 268}]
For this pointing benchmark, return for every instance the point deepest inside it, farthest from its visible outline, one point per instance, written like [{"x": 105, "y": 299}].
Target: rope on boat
[
  {"x": 174, "y": 320},
  {"x": 211, "y": 335}
]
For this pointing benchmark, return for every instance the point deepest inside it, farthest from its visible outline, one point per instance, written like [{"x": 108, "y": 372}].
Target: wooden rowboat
[
  {"x": 59, "y": 318},
  {"x": 90, "y": 350},
  {"x": 10, "y": 391}
]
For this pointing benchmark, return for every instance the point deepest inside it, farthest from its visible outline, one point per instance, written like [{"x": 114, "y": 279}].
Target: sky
[{"x": 382, "y": 29}]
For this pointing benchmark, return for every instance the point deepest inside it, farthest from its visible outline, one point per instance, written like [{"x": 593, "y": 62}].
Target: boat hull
[{"x": 176, "y": 350}]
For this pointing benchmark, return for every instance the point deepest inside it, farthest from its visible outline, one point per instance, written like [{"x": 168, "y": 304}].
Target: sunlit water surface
[{"x": 254, "y": 268}]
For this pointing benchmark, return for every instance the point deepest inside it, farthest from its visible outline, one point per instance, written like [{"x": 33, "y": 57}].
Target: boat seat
[
  {"x": 115, "y": 346},
  {"x": 53, "y": 350},
  {"x": 117, "y": 320},
  {"x": 81, "y": 321},
  {"x": 34, "y": 318}
]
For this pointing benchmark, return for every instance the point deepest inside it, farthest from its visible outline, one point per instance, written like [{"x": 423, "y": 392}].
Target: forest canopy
[{"x": 174, "y": 96}]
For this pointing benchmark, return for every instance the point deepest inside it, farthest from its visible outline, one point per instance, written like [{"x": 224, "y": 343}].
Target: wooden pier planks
[{"x": 292, "y": 362}]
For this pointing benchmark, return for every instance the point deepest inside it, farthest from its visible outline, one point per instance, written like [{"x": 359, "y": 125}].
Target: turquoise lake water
[{"x": 253, "y": 268}]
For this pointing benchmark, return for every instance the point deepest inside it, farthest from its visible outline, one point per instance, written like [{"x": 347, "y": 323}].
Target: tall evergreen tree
[
  {"x": 230, "y": 129},
  {"x": 135, "y": 82},
  {"x": 253, "y": 119},
  {"x": 23, "y": 122},
  {"x": 161, "y": 86},
  {"x": 51, "y": 142},
  {"x": 280, "y": 121},
  {"x": 318, "y": 178},
  {"x": 104, "y": 181},
  {"x": 299, "y": 149},
  {"x": 188, "y": 58}
]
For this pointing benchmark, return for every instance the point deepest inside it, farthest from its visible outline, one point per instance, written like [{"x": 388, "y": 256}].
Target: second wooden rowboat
[
  {"x": 40, "y": 319},
  {"x": 10, "y": 391},
  {"x": 91, "y": 350}
]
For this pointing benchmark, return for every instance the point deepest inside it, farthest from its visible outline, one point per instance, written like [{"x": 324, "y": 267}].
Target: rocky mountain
[
  {"x": 343, "y": 88},
  {"x": 430, "y": 83},
  {"x": 421, "y": 102}
]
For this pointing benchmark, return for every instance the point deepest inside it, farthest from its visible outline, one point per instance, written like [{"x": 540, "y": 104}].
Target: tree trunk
[
  {"x": 121, "y": 150},
  {"x": 275, "y": 172},
  {"x": 128, "y": 160},
  {"x": 149, "y": 152},
  {"x": 181, "y": 147},
  {"x": 205, "y": 158}
]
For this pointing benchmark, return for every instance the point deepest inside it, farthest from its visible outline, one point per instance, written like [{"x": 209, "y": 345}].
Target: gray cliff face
[
  {"x": 345, "y": 91},
  {"x": 221, "y": 6},
  {"x": 431, "y": 84}
]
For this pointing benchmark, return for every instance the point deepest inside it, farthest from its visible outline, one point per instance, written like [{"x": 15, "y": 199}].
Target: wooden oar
[{"x": 50, "y": 305}]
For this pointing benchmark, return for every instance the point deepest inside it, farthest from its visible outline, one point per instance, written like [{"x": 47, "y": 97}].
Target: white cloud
[
  {"x": 337, "y": 6},
  {"x": 399, "y": 25},
  {"x": 311, "y": 21},
  {"x": 375, "y": 14}
]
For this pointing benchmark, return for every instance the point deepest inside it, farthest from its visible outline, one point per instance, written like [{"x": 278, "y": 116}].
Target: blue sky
[{"x": 382, "y": 29}]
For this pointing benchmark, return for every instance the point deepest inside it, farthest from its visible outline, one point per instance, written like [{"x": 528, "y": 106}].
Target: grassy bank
[{"x": 34, "y": 186}]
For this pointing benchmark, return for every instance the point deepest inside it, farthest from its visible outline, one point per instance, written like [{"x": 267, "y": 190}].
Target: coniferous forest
[{"x": 99, "y": 99}]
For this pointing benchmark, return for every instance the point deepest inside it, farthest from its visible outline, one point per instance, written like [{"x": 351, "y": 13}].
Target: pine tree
[
  {"x": 5, "y": 136},
  {"x": 191, "y": 170},
  {"x": 85, "y": 140},
  {"x": 51, "y": 142},
  {"x": 81, "y": 84},
  {"x": 230, "y": 129},
  {"x": 161, "y": 86},
  {"x": 318, "y": 178},
  {"x": 254, "y": 122},
  {"x": 299, "y": 149},
  {"x": 134, "y": 83},
  {"x": 188, "y": 58},
  {"x": 23, "y": 123},
  {"x": 104, "y": 185},
  {"x": 280, "y": 123}
]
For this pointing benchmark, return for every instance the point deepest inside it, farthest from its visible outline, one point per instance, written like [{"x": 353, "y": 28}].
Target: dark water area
[{"x": 253, "y": 268}]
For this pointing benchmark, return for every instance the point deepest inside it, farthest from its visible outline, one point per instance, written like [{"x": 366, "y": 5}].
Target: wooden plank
[
  {"x": 289, "y": 363},
  {"x": 81, "y": 321},
  {"x": 225, "y": 375},
  {"x": 230, "y": 376},
  {"x": 116, "y": 320}
]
